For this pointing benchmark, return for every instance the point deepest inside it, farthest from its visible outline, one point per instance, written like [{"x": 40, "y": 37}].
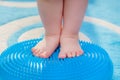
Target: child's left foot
[{"x": 70, "y": 46}]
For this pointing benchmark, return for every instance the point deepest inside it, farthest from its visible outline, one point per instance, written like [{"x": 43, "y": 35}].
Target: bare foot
[
  {"x": 46, "y": 47},
  {"x": 69, "y": 46}
]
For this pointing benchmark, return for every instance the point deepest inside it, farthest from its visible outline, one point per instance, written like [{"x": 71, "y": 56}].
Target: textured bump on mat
[{"x": 18, "y": 63}]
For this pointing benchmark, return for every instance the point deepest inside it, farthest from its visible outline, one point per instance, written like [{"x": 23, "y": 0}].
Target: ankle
[
  {"x": 64, "y": 38},
  {"x": 74, "y": 36},
  {"x": 55, "y": 32},
  {"x": 52, "y": 34}
]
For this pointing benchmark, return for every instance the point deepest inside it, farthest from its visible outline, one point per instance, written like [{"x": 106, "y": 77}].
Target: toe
[
  {"x": 69, "y": 54},
  {"x": 33, "y": 50},
  {"x": 39, "y": 52},
  {"x": 73, "y": 54},
  {"x": 79, "y": 52},
  {"x": 45, "y": 54},
  {"x": 62, "y": 55},
  {"x": 36, "y": 53}
]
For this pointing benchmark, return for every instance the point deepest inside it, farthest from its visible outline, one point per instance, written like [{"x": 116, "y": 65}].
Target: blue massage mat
[{"x": 18, "y": 63}]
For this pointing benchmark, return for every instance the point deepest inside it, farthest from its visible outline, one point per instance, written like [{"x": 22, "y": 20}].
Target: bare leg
[
  {"x": 74, "y": 11},
  {"x": 51, "y": 15}
]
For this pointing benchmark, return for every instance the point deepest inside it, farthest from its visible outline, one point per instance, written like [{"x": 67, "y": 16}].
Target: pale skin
[{"x": 52, "y": 13}]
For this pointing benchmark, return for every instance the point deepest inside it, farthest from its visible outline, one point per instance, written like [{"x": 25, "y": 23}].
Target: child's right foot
[{"x": 46, "y": 47}]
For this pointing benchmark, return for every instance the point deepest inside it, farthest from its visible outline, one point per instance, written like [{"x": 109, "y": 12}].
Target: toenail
[
  {"x": 69, "y": 55},
  {"x": 78, "y": 54},
  {"x": 74, "y": 55}
]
